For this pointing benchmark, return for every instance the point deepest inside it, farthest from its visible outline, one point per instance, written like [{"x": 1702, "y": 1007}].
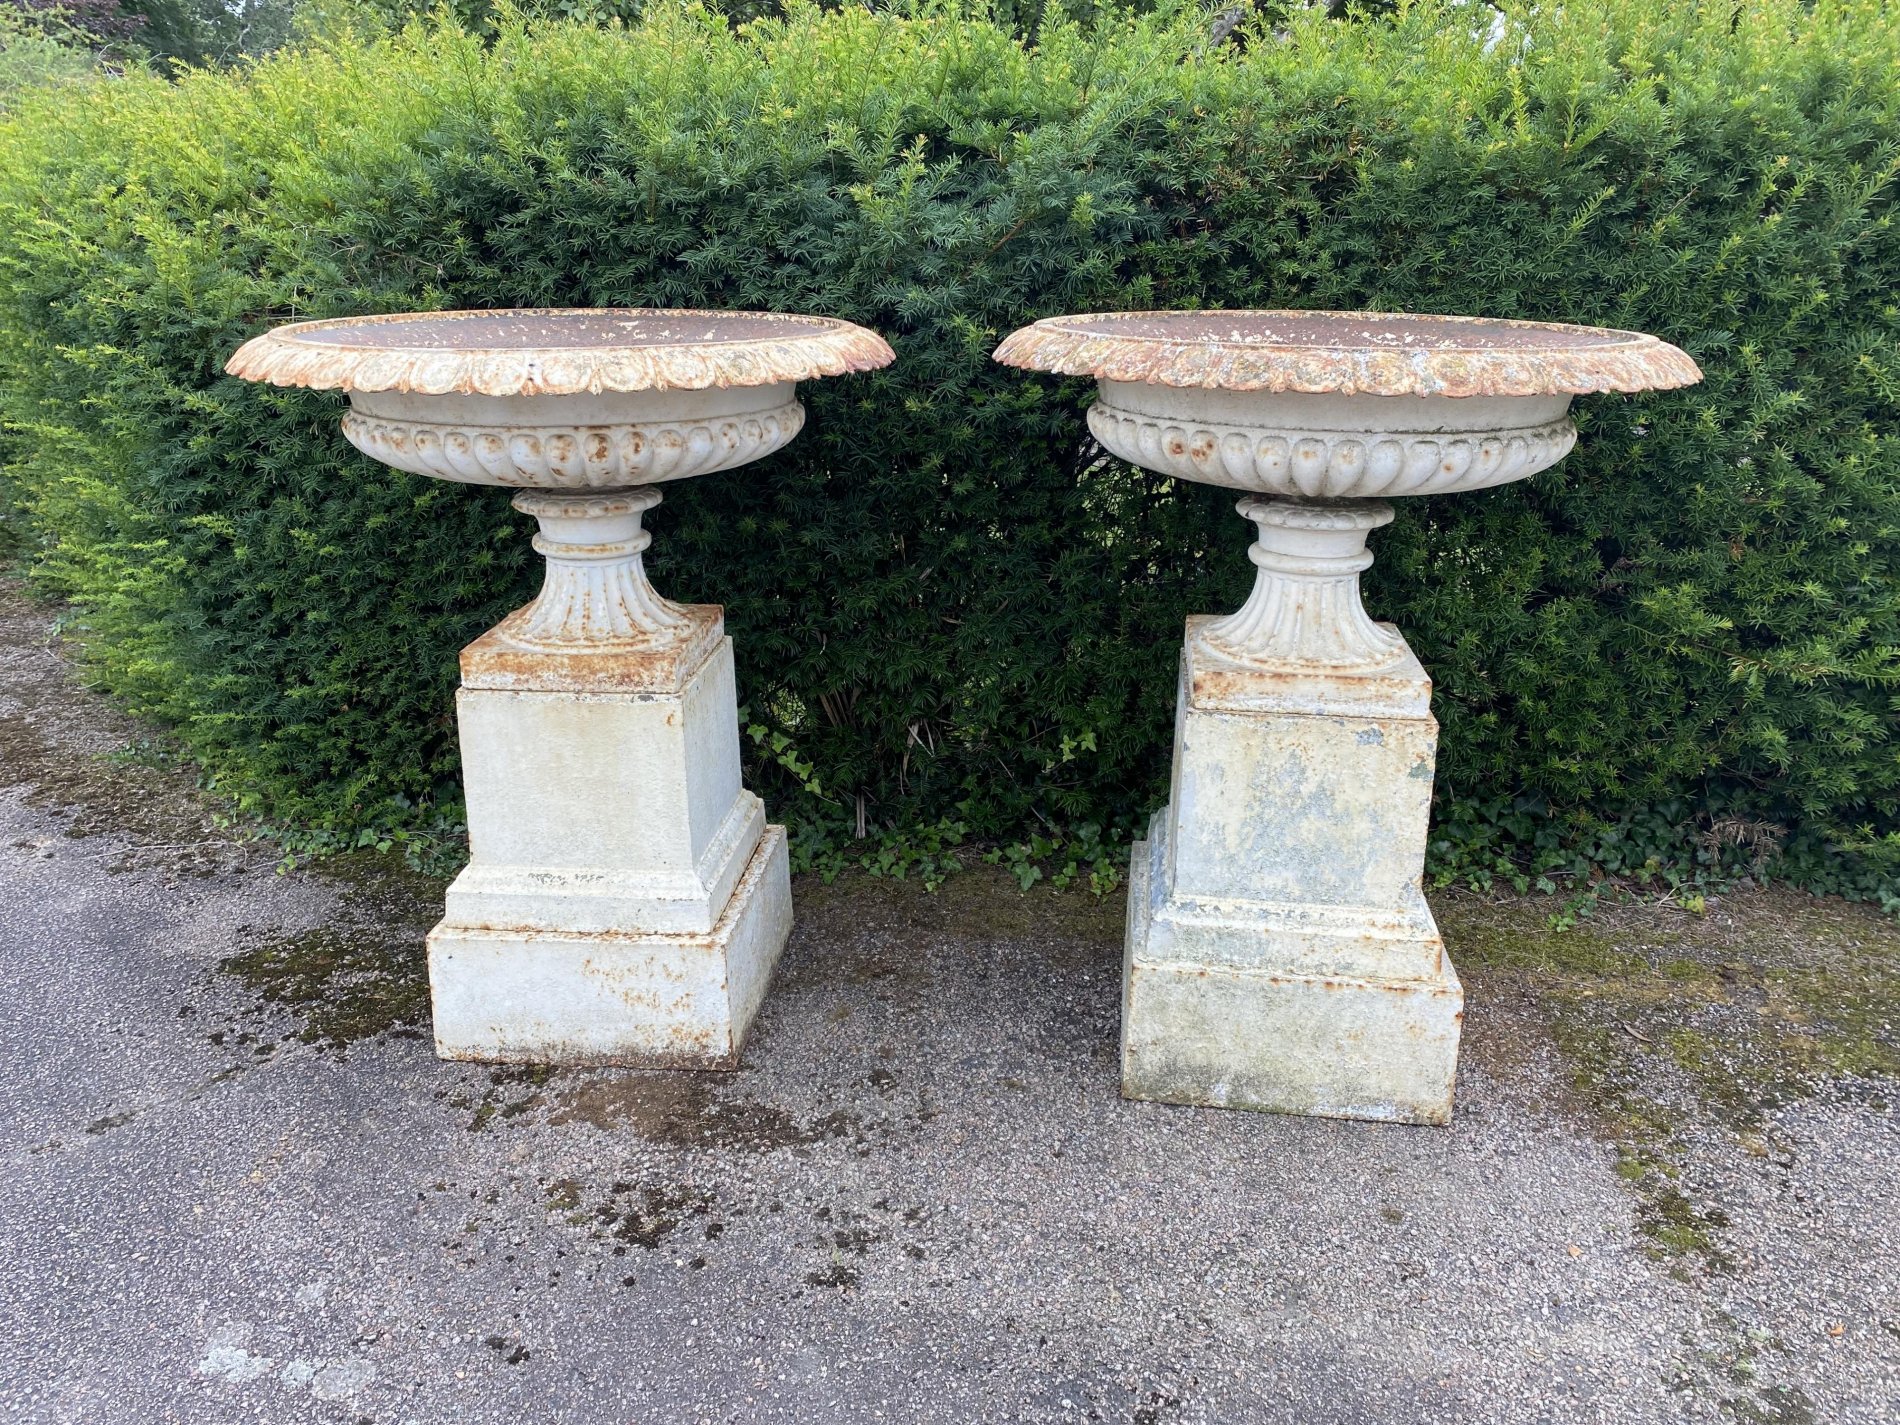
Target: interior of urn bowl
[
  {"x": 1316, "y": 329},
  {"x": 1299, "y": 411},
  {"x": 671, "y": 407}
]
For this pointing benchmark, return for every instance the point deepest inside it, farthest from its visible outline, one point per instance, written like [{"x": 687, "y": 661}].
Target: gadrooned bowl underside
[
  {"x": 573, "y": 443},
  {"x": 1332, "y": 447}
]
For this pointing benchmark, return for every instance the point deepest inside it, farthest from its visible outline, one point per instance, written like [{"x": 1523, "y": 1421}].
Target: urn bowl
[
  {"x": 565, "y": 399},
  {"x": 1340, "y": 405}
]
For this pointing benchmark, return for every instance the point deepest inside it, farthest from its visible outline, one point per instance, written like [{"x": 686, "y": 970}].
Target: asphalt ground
[{"x": 240, "y": 1187}]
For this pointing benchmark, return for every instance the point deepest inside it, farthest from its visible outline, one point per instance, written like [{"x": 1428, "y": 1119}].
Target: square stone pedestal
[
  {"x": 1280, "y": 954},
  {"x": 624, "y": 901}
]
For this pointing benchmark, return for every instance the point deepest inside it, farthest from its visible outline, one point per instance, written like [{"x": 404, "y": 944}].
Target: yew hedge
[{"x": 951, "y": 616}]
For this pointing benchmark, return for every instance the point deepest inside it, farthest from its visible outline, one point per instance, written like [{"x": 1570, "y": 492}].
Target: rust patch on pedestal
[
  {"x": 1221, "y": 684},
  {"x": 500, "y": 660}
]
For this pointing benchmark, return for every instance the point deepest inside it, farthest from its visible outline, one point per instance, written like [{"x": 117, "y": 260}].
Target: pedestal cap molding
[
  {"x": 1217, "y": 682},
  {"x": 501, "y": 659}
]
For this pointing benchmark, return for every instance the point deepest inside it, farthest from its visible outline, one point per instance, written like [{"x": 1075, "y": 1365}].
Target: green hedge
[{"x": 950, "y": 613}]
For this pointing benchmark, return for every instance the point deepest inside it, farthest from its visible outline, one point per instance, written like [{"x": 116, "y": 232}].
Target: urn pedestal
[
  {"x": 1281, "y": 954},
  {"x": 625, "y": 899}
]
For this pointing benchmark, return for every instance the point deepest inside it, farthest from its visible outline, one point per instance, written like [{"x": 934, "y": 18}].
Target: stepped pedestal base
[
  {"x": 625, "y": 900},
  {"x": 1281, "y": 955},
  {"x": 1244, "y": 1028},
  {"x": 676, "y": 1001}
]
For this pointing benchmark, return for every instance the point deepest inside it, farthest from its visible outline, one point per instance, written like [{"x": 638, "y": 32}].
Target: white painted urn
[
  {"x": 1281, "y": 953},
  {"x": 1323, "y": 417},
  {"x": 625, "y": 898},
  {"x": 584, "y": 410}
]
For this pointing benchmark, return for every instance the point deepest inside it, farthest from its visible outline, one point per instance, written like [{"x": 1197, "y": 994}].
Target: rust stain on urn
[
  {"x": 558, "y": 351},
  {"x": 1349, "y": 353}
]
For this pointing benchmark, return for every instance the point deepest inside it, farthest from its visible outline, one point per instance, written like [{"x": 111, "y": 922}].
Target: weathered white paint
[
  {"x": 1280, "y": 951},
  {"x": 674, "y": 1000},
  {"x": 596, "y": 591},
  {"x": 1327, "y": 1044},
  {"x": 1316, "y": 446},
  {"x": 576, "y": 442},
  {"x": 624, "y": 900},
  {"x": 592, "y": 811},
  {"x": 1305, "y": 610},
  {"x": 1281, "y": 954}
]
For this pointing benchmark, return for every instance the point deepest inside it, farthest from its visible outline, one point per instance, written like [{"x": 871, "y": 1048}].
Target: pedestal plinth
[
  {"x": 1280, "y": 952},
  {"x": 624, "y": 900}
]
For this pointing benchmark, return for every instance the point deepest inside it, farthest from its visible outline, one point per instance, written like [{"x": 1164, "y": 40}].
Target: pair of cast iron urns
[{"x": 625, "y": 899}]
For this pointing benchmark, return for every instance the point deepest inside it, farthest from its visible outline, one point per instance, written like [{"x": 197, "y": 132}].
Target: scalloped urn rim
[
  {"x": 552, "y": 351},
  {"x": 1348, "y": 353}
]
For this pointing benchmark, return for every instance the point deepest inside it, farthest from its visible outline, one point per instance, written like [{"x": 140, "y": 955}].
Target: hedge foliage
[{"x": 949, "y": 611}]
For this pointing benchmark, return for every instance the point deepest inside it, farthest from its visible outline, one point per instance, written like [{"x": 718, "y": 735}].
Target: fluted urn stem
[
  {"x": 596, "y": 592},
  {"x": 1305, "y": 609}
]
